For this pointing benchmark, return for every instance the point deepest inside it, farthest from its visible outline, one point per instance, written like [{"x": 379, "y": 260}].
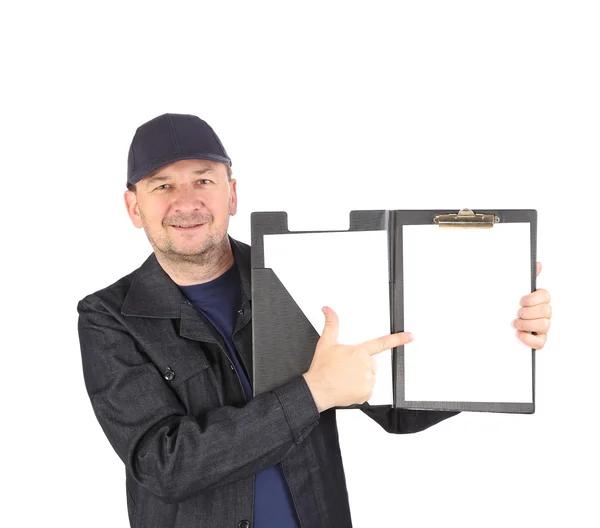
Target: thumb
[{"x": 330, "y": 331}]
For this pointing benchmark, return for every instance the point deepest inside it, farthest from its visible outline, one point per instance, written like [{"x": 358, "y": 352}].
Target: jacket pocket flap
[{"x": 181, "y": 363}]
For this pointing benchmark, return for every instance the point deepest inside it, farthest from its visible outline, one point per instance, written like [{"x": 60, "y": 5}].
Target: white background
[{"x": 324, "y": 107}]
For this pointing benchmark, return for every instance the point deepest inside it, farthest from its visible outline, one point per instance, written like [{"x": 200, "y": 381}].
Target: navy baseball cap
[{"x": 172, "y": 137}]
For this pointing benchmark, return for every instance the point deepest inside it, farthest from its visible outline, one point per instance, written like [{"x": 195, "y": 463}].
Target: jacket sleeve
[
  {"x": 171, "y": 453},
  {"x": 405, "y": 421}
]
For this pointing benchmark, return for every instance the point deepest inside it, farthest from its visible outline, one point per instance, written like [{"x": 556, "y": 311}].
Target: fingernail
[
  {"x": 410, "y": 336},
  {"x": 324, "y": 310}
]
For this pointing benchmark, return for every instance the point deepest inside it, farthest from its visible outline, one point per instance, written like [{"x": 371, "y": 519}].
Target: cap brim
[{"x": 142, "y": 172}]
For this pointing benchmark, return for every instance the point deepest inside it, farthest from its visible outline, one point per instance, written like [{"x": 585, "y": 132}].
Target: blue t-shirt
[{"x": 219, "y": 300}]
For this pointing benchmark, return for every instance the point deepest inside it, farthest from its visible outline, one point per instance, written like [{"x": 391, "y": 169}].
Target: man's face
[{"x": 184, "y": 207}]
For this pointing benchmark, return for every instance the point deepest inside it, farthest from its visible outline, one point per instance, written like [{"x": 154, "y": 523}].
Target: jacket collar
[{"x": 154, "y": 294}]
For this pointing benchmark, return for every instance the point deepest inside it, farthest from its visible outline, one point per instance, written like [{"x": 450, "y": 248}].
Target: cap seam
[
  {"x": 173, "y": 135},
  {"x": 133, "y": 154}
]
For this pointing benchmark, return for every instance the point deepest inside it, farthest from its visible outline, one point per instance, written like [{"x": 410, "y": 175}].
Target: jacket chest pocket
[{"x": 191, "y": 374}]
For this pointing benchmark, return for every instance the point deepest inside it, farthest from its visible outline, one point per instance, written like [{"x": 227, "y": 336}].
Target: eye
[{"x": 204, "y": 180}]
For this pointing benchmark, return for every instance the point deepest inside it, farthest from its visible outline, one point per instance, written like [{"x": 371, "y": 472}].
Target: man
[{"x": 167, "y": 361}]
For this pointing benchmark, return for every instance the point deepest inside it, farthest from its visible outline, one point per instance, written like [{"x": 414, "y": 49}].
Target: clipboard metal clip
[{"x": 466, "y": 218}]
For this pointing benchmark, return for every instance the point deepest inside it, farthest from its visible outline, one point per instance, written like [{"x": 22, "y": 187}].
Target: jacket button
[
  {"x": 169, "y": 374},
  {"x": 241, "y": 311},
  {"x": 244, "y": 524}
]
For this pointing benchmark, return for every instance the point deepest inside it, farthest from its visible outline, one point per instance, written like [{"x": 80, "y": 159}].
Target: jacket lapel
[{"x": 154, "y": 294}]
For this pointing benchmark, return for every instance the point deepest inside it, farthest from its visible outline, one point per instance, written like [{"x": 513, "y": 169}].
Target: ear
[
  {"x": 233, "y": 196},
  {"x": 133, "y": 208}
]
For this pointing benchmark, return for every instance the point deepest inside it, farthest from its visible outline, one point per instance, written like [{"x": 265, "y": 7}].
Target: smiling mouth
[{"x": 187, "y": 228}]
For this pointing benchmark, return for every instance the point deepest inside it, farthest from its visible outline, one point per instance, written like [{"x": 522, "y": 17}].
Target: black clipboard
[{"x": 283, "y": 338}]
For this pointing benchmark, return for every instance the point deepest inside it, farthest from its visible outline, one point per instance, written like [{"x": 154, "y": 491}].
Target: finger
[
  {"x": 374, "y": 346},
  {"x": 536, "y": 342},
  {"x": 539, "y": 326},
  {"x": 538, "y": 268},
  {"x": 539, "y": 296},
  {"x": 331, "y": 328},
  {"x": 535, "y": 312}
]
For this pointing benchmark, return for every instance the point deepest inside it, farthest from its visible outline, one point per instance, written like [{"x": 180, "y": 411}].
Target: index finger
[{"x": 375, "y": 346}]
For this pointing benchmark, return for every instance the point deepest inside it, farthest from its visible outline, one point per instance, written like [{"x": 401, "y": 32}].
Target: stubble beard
[{"x": 209, "y": 252}]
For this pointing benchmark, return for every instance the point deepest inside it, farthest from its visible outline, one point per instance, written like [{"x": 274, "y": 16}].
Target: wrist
[{"x": 318, "y": 391}]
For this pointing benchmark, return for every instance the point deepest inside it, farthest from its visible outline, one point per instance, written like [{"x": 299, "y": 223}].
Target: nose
[{"x": 186, "y": 199}]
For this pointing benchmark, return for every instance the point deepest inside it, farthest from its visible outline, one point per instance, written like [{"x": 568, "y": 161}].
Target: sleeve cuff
[{"x": 299, "y": 407}]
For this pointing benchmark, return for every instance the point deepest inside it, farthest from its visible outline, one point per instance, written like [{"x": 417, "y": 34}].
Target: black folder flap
[{"x": 286, "y": 349}]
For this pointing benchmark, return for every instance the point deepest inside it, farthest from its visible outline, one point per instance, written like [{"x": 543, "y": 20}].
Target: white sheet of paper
[
  {"x": 461, "y": 291},
  {"x": 347, "y": 271}
]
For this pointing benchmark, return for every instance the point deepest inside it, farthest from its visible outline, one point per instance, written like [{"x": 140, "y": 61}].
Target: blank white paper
[
  {"x": 347, "y": 271},
  {"x": 462, "y": 289}
]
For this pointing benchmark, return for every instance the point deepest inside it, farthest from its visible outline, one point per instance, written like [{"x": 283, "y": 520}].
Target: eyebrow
[{"x": 160, "y": 177}]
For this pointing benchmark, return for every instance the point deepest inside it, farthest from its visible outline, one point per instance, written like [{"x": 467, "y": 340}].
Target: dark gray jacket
[{"x": 170, "y": 403}]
